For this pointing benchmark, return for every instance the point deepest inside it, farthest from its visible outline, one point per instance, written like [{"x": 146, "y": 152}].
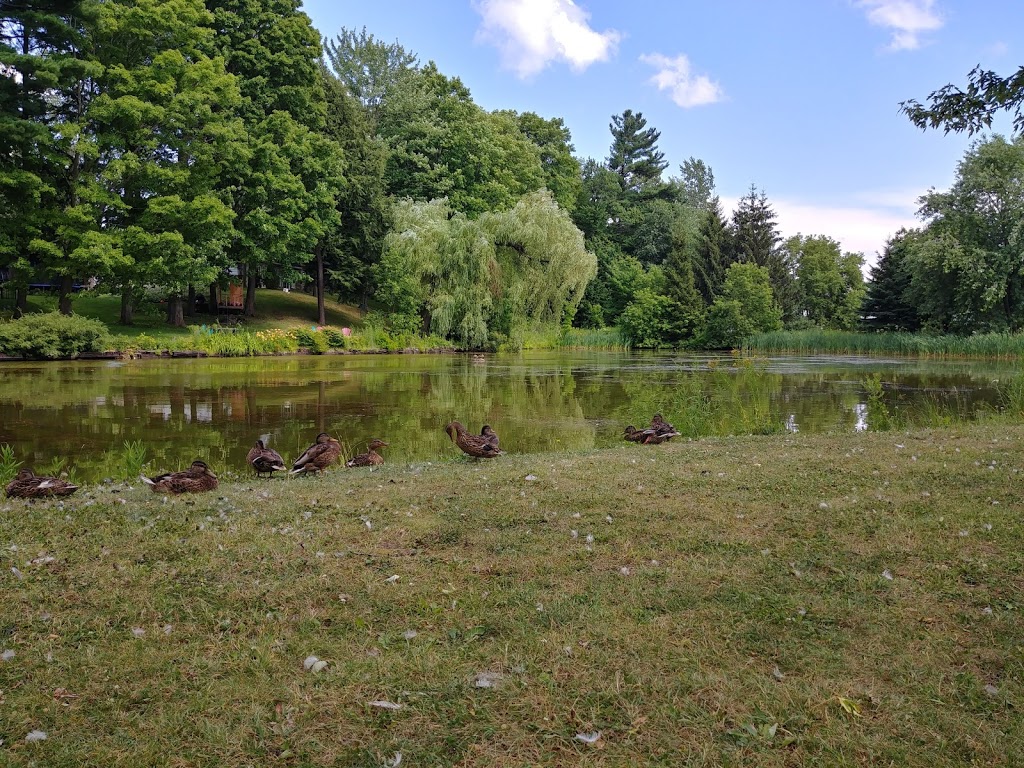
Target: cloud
[
  {"x": 906, "y": 18},
  {"x": 531, "y": 34},
  {"x": 862, "y": 227},
  {"x": 686, "y": 89}
]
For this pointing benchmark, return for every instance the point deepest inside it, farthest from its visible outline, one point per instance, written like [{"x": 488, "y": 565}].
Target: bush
[
  {"x": 646, "y": 321},
  {"x": 52, "y": 336}
]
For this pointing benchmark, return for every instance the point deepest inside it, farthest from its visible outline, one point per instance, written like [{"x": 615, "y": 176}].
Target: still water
[{"x": 215, "y": 408}]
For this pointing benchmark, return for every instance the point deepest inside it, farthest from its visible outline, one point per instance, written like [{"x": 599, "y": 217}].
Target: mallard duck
[
  {"x": 369, "y": 459},
  {"x": 28, "y": 485},
  {"x": 265, "y": 460},
  {"x": 635, "y": 435},
  {"x": 195, "y": 479},
  {"x": 662, "y": 427},
  {"x": 479, "y": 446},
  {"x": 491, "y": 436},
  {"x": 324, "y": 451}
]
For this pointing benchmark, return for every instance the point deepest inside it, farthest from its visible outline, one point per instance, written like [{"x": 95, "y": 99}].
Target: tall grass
[
  {"x": 592, "y": 338},
  {"x": 133, "y": 459},
  {"x": 997, "y": 346},
  {"x": 8, "y": 464}
]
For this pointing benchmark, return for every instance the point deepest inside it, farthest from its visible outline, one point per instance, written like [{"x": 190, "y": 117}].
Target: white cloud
[
  {"x": 531, "y": 34},
  {"x": 906, "y": 18},
  {"x": 675, "y": 76},
  {"x": 863, "y": 228}
]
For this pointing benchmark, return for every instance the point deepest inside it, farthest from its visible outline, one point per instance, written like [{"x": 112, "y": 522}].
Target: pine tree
[
  {"x": 886, "y": 307},
  {"x": 634, "y": 153}
]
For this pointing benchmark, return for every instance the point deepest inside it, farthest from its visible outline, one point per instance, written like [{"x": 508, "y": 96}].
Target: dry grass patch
[{"x": 781, "y": 600}]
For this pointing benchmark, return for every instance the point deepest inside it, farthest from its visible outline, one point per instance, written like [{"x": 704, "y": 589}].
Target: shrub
[
  {"x": 51, "y": 336},
  {"x": 646, "y": 321}
]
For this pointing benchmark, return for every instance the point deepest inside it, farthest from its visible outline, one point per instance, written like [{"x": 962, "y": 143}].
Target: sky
[{"x": 799, "y": 98}]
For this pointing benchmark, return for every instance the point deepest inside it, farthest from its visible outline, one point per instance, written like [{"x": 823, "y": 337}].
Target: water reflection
[{"x": 215, "y": 409}]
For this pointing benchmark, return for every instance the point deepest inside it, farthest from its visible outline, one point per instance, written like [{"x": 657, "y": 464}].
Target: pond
[{"x": 216, "y": 408}]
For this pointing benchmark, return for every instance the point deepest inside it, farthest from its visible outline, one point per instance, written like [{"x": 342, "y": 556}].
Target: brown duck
[
  {"x": 480, "y": 446},
  {"x": 266, "y": 461},
  {"x": 28, "y": 485},
  {"x": 195, "y": 479},
  {"x": 324, "y": 451},
  {"x": 662, "y": 427},
  {"x": 635, "y": 435},
  {"x": 489, "y": 434},
  {"x": 369, "y": 459}
]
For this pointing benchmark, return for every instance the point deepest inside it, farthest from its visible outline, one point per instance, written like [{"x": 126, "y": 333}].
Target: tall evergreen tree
[
  {"x": 756, "y": 240},
  {"x": 634, "y": 153},
  {"x": 712, "y": 253},
  {"x": 364, "y": 209},
  {"x": 687, "y": 309},
  {"x": 886, "y": 307}
]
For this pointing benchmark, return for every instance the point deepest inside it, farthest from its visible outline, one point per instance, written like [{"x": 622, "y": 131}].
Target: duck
[
  {"x": 479, "y": 446},
  {"x": 635, "y": 435},
  {"x": 196, "y": 479},
  {"x": 369, "y": 459},
  {"x": 265, "y": 460},
  {"x": 487, "y": 431},
  {"x": 28, "y": 485},
  {"x": 324, "y": 451},
  {"x": 662, "y": 427}
]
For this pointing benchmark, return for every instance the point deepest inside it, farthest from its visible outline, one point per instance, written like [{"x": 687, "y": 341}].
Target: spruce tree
[
  {"x": 756, "y": 240},
  {"x": 687, "y": 308},
  {"x": 711, "y": 253},
  {"x": 886, "y": 307}
]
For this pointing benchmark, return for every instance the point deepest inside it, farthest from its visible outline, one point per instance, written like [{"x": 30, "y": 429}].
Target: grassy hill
[{"x": 275, "y": 309}]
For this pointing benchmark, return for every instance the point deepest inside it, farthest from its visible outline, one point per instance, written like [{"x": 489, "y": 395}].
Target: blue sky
[{"x": 798, "y": 97}]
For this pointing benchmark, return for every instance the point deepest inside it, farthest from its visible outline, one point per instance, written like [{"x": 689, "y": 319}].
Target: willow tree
[
  {"x": 436, "y": 265},
  {"x": 479, "y": 281},
  {"x": 544, "y": 264}
]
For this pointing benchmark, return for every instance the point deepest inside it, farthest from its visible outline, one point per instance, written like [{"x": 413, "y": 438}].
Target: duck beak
[{"x": 210, "y": 473}]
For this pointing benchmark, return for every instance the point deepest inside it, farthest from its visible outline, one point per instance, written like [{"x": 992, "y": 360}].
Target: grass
[
  {"x": 995, "y": 346},
  {"x": 771, "y": 601},
  {"x": 275, "y": 310}
]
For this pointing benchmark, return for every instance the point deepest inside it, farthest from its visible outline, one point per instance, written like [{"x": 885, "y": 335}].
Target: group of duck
[{"x": 324, "y": 452}]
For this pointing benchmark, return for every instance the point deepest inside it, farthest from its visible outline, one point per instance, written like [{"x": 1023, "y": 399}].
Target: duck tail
[{"x": 146, "y": 480}]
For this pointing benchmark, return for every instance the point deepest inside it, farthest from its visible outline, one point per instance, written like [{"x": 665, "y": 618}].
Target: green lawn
[
  {"x": 773, "y": 601},
  {"x": 275, "y": 309}
]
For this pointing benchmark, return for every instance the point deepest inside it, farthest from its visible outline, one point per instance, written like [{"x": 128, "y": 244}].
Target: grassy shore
[
  {"x": 776, "y": 600},
  {"x": 984, "y": 346}
]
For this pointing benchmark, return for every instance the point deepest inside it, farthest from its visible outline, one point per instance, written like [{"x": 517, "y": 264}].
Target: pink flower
[{"x": 346, "y": 331}]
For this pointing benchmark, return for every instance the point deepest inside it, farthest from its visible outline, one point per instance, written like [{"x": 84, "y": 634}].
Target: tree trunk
[
  {"x": 190, "y": 305},
  {"x": 67, "y": 282},
  {"x": 127, "y": 309},
  {"x": 321, "y": 309},
  {"x": 213, "y": 309},
  {"x": 250, "y": 292},
  {"x": 175, "y": 312}
]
